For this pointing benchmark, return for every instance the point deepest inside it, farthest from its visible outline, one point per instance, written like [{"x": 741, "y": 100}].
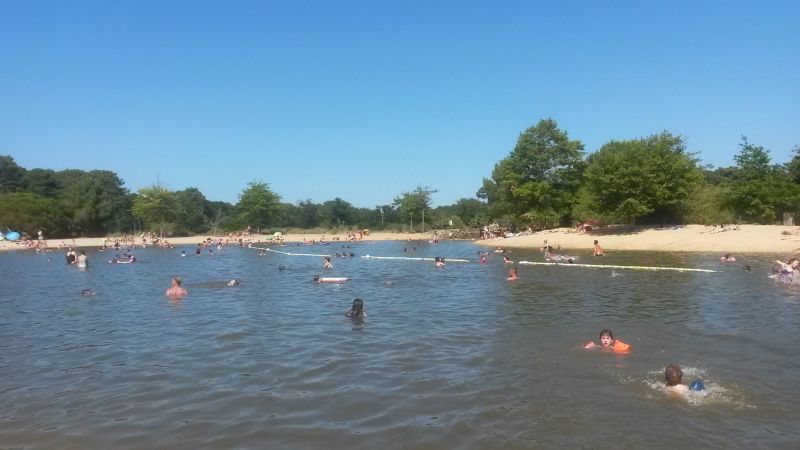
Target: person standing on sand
[
  {"x": 176, "y": 291},
  {"x": 598, "y": 250}
]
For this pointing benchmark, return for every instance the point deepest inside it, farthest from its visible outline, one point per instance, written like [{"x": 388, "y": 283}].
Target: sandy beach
[
  {"x": 690, "y": 238},
  {"x": 251, "y": 239}
]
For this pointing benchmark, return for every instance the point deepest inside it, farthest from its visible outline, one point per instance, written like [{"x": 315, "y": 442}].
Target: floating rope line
[
  {"x": 289, "y": 254},
  {"x": 403, "y": 258},
  {"x": 603, "y": 266}
]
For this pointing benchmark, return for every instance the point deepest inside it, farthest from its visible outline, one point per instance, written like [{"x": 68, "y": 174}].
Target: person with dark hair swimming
[
  {"x": 607, "y": 341},
  {"x": 357, "y": 311}
]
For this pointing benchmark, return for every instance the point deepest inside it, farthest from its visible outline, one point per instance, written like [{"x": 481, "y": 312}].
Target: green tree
[
  {"x": 11, "y": 174},
  {"x": 538, "y": 179},
  {"x": 190, "y": 208},
  {"x": 793, "y": 166},
  {"x": 411, "y": 205},
  {"x": 309, "y": 214},
  {"x": 40, "y": 181},
  {"x": 30, "y": 213},
  {"x": 761, "y": 191},
  {"x": 91, "y": 200},
  {"x": 652, "y": 178},
  {"x": 337, "y": 212},
  {"x": 468, "y": 212},
  {"x": 258, "y": 206},
  {"x": 155, "y": 205}
]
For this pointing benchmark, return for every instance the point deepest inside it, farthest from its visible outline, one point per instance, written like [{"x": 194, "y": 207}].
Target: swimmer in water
[
  {"x": 507, "y": 260},
  {"x": 83, "y": 261},
  {"x": 512, "y": 274},
  {"x": 233, "y": 283},
  {"x": 483, "y": 259},
  {"x": 728, "y": 258},
  {"x": 176, "y": 291},
  {"x": 183, "y": 252},
  {"x": 88, "y": 293},
  {"x": 357, "y": 311},
  {"x": 439, "y": 261},
  {"x": 673, "y": 376},
  {"x": 607, "y": 341},
  {"x": 598, "y": 250},
  {"x": 326, "y": 263},
  {"x": 790, "y": 267}
]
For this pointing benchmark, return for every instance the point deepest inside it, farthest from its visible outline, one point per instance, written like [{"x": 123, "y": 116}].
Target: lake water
[{"x": 451, "y": 358}]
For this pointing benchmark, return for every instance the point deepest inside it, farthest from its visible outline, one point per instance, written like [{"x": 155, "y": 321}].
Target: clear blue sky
[{"x": 365, "y": 100}]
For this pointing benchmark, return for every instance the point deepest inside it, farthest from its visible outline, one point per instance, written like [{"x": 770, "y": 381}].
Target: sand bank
[
  {"x": 252, "y": 239},
  {"x": 689, "y": 238}
]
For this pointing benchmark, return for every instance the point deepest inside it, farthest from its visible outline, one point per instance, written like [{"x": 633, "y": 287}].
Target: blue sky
[{"x": 365, "y": 100}]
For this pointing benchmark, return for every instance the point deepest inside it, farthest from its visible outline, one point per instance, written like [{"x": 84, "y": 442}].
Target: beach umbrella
[{"x": 12, "y": 236}]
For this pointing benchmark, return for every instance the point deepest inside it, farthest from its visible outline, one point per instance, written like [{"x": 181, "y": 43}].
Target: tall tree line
[{"x": 546, "y": 180}]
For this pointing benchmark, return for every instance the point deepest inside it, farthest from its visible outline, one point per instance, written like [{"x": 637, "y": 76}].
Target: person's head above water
[
  {"x": 673, "y": 375},
  {"x": 177, "y": 281},
  {"x": 357, "y": 311},
  {"x": 606, "y": 338}
]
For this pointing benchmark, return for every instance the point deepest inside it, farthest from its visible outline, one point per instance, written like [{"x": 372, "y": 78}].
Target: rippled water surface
[{"x": 448, "y": 358}]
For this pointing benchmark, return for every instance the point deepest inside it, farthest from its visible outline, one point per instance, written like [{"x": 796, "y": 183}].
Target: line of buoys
[
  {"x": 288, "y": 253},
  {"x": 609, "y": 266},
  {"x": 403, "y": 258}
]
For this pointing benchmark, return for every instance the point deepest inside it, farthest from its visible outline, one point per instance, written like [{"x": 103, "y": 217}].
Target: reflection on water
[{"x": 454, "y": 357}]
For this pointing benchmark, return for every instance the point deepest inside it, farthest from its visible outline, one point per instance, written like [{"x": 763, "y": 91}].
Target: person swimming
[
  {"x": 728, "y": 258},
  {"x": 598, "y": 250},
  {"x": 176, "y": 291},
  {"x": 607, "y": 341},
  {"x": 439, "y": 261},
  {"x": 507, "y": 260},
  {"x": 88, "y": 293},
  {"x": 357, "y": 311},
  {"x": 512, "y": 274},
  {"x": 233, "y": 283},
  {"x": 326, "y": 263},
  {"x": 673, "y": 377}
]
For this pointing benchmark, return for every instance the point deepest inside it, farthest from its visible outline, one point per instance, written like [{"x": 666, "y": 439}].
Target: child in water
[
  {"x": 673, "y": 376},
  {"x": 439, "y": 261},
  {"x": 357, "y": 311},
  {"x": 512, "y": 274},
  {"x": 326, "y": 264},
  {"x": 607, "y": 341}
]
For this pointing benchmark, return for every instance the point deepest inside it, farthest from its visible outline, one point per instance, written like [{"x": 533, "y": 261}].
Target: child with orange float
[{"x": 607, "y": 341}]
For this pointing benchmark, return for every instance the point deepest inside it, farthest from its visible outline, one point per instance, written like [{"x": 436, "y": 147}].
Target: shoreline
[
  {"x": 687, "y": 238},
  {"x": 97, "y": 242}
]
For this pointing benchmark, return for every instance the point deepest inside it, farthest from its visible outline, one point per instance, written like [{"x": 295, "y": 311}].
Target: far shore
[
  {"x": 255, "y": 239},
  {"x": 775, "y": 239},
  {"x": 731, "y": 239}
]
